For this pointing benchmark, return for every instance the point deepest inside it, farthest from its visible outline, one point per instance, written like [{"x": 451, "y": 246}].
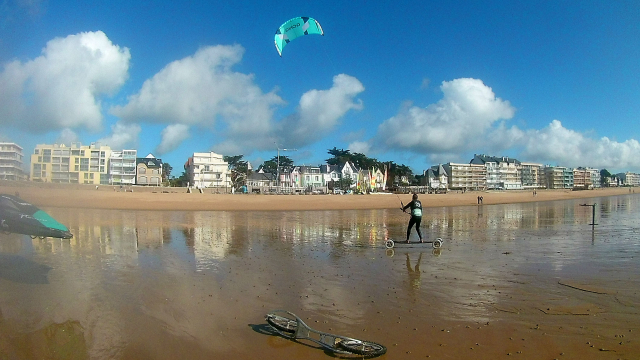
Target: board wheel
[
  {"x": 437, "y": 243},
  {"x": 389, "y": 244}
]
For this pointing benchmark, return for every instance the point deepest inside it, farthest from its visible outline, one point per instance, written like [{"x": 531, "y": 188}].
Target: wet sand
[
  {"x": 525, "y": 281},
  {"x": 152, "y": 198}
]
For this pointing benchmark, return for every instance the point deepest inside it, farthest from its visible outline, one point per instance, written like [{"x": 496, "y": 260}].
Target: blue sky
[{"x": 415, "y": 82}]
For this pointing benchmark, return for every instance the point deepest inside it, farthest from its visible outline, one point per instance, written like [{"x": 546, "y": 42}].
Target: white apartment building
[
  {"x": 466, "y": 176},
  {"x": 122, "y": 167},
  {"x": 11, "y": 160},
  {"x": 208, "y": 169},
  {"x": 503, "y": 173}
]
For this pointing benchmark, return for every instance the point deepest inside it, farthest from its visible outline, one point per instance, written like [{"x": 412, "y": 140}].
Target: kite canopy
[
  {"x": 20, "y": 217},
  {"x": 294, "y": 28}
]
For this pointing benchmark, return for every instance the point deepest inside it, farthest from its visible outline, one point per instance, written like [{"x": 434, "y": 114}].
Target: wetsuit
[{"x": 416, "y": 217}]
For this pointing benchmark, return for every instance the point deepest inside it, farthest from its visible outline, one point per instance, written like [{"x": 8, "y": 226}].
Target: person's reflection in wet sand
[{"x": 414, "y": 274}]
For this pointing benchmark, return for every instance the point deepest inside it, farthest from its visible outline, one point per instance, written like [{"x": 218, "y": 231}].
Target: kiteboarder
[{"x": 416, "y": 216}]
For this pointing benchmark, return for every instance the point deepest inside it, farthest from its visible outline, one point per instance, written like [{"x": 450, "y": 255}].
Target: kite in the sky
[
  {"x": 20, "y": 217},
  {"x": 294, "y": 28}
]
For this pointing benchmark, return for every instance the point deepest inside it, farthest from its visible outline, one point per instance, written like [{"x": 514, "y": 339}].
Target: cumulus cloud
[
  {"x": 123, "y": 136},
  {"x": 62, "y": 88},
  {"x": 361, "y": 147},
  {"x": 454, "y": 124},
  {"x": 67, "y": 136},
  {"x": 199, "y": 89},
  {"x": 556, "y": 144},
  {"x": 172, "y": 137},
  {"x": 319, "y": 111}
]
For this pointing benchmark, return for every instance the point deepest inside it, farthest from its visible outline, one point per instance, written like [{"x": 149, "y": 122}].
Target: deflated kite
[
  {"x": 294, "y": 28},
  {"x": 20, "y": 217}
]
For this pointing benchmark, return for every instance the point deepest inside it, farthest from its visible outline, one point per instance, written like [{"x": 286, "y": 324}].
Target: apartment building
[
  {"x": 532, "y": 176},
  {"x": 208, "y": 169},
  {"x": 629, "y": 179},
  {"x": 582, "y": 179},
  {"x": 503, "y": 173},
  {"x": 558, "y": 177},
  {"x": 11, "y": 161},
  {"x": 466, "y": 176},
  {"x": 75, "y": 164},
  {"x": 122, "y": 167},
  {"x": 596, "y": 180}
]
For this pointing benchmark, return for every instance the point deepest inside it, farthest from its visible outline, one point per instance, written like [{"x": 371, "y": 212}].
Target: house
[
  {"x": 149, "y": 171},
  {"x": 311, "y": 177},
  {"x": 436, "y": 179},
  {"x": 261, "y": 180}
]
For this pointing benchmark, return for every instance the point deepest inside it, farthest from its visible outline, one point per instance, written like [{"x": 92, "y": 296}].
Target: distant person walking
[{"x": 416, "y": 216}]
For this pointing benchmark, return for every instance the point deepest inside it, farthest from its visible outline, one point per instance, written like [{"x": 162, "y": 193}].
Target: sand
[{"x": 161, "y": 198}]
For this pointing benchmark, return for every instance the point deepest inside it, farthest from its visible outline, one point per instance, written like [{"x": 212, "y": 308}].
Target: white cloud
[
  {"x": 558, "y": 145},
  {"x": 62, "y": 87},
  {"x": 456, "y": 123},
  {"x": 200, "y": 89},
  {"x": 319, "y": 111},
  {"x": 361, "y": 147},
  {"x": 172, "y": 137},
  {"x": 123, "y": 136},
  {"x": 67, "y": 136}
]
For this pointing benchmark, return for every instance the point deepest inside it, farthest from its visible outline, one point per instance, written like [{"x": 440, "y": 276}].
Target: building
[
  {"x": 122, "y": 167},
  {"x": 436, "y": 179},
  {"x": 596, "y": 180},
  {"x": 208, "y": 169},
  {"x": 149, "y": 171},
  {"x": 77, "y": 164},
  {"x": 629, "y": 179},
  {"x": 532, "y": 176},
  {"x": 558, "y": 177},
  {"x": 11, "y": 161},
  {"x": 503, "y": 173},
  {"x": 466, "y": 176},
  {"x": 581, "y": 179}
]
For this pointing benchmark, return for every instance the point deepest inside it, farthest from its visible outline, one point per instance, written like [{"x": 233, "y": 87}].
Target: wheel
[
  {"x": 389, "y": 244},
  {"x": 282, "y": 323},
  {"x": 437, "y": 243},
  {"x": 360, "y": 347}
]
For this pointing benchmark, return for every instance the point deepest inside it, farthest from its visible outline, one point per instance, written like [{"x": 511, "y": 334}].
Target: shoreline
[{"x": 177, "y": 199}]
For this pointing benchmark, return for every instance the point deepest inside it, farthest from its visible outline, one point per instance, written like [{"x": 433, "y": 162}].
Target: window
[{"x": 142, "y": 170}]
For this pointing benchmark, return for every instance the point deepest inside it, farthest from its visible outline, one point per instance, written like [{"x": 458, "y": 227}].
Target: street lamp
[{"x": 278, "y": 163}]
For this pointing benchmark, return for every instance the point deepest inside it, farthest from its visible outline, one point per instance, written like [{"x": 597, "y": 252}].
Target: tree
[
  {"x": 604, "y": 176},
  {"x": 166, "y": 172},
  {"x": 239, "y": 170},
  {"x": 180, "y": 181},
  {"x": 271, "y": 166},
  {"x": 340, "y": 156}
]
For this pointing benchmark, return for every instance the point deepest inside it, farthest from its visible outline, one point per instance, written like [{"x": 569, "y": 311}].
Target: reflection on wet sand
[{"x": 164, "y": 285}]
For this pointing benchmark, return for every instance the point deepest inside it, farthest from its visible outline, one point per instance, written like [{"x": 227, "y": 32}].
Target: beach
[
  {"x": 155, "y": 275},
  {"x": 167, "y": 198}
]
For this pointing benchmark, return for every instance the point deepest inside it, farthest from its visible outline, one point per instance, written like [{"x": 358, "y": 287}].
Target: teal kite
[{"x": 294, "y": 28}]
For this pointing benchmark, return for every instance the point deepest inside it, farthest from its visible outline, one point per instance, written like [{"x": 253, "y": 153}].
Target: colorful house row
[{"x": 326, "y": 177}]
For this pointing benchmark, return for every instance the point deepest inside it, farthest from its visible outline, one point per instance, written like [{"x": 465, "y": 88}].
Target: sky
[{"x": 414, "y": 82}]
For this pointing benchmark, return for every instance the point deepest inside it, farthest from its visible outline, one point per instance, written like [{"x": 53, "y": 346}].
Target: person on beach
[{"x": 416, "y": 216}]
